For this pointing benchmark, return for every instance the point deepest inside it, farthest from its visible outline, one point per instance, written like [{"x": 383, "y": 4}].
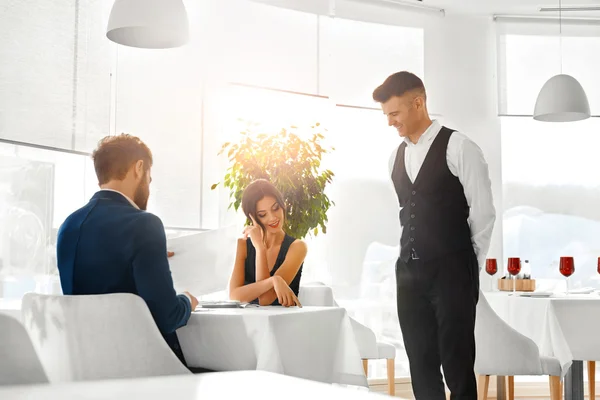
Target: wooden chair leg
[
  {"x": 483, "y": 383},
  {"x": 391, "y": 375},
  {"x": 555, "y": 388},
  {"x": 592, "y": 379},
  {"x": 511, "y": 387},
  {"x": 366, "y": 367}
]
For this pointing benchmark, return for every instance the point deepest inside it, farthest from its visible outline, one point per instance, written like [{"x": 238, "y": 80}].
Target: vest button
[
  {"x": 412, "y": 204},
  {"x": 412, "y": 228},
  {"x": 412, "y": 239},
  {"x": 412, "y": 215},
  {"x": 414, "y": 192}
]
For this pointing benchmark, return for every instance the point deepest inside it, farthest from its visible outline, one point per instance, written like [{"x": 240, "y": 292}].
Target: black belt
[{"x": 413, "y": 255}]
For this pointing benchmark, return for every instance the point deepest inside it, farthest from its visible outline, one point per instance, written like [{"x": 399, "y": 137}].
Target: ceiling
[
  {"x": 521, "y": 7},
  {"x": 477, "y": 7}
]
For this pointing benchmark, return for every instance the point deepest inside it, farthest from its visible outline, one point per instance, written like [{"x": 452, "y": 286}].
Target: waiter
[{"x": 447, "y": 216}]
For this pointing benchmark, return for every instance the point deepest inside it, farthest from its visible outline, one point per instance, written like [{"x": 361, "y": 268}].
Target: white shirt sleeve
[{"x": 466, "y": 161}]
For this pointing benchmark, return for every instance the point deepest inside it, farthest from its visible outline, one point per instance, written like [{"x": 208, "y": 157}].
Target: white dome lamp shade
[
  {"x": 149, "y": 24},
  {"x": 562, "y": 99}
]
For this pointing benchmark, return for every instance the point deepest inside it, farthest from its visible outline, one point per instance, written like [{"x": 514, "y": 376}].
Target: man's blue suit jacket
[{"x": 110, "y": 246}]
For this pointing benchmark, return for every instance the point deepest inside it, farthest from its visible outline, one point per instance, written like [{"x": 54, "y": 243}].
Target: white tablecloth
[
  {"x": 564, "y": 327},
  {"x": 246, "y": 385},
  {"x": 315, "y": 343}
]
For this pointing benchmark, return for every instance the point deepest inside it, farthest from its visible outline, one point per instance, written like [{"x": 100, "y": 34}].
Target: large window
[
  {"x": 549, "y": 171},
  {"x": 351, "y": 59},
  {"x": 67, "y": 86},
  {"x": 551, "y": 190},
  {"x": 39, "y": 189},
  {"x": 55, "y": 77}
]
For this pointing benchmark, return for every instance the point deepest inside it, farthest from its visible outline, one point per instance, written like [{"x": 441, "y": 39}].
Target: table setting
[{"x": 561, "y": 321}]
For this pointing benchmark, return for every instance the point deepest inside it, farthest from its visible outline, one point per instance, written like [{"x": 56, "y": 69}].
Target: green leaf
[{"x": 292, "y": 164}]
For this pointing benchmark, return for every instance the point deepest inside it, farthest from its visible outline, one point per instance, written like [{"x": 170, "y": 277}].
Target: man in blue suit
[{"x": 112, "y": 245}]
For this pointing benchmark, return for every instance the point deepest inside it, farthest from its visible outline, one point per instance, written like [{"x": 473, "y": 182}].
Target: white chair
[
  {"x": 502, "y": 351},
  {"x": 97, "y": 337},
  {"x": 317, "y": 294},
  {"x": 20, "y": 364}
]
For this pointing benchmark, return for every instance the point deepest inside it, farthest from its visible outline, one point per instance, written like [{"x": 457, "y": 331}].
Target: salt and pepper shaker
[{"x": 526, "y": 270}]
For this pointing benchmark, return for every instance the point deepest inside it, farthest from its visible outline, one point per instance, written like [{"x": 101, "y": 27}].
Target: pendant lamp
[
  {"x": 562, "y": 98},
  {"x": 149, "y": 24}
]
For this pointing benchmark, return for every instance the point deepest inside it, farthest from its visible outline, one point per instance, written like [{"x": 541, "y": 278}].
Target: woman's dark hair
[{"x": 256, "y": 191}]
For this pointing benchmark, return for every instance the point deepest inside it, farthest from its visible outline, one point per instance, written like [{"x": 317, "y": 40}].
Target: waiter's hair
[{"x": 399, "y": 84}]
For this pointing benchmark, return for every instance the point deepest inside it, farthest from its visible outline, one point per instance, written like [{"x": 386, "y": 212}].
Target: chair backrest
[
  {"x": 97, "y": 337},
  {"x": 378, "y": 280},
  {"x": 319, "y": 295},
  {"x": 316, "y": 294},
  {"x": 501, "y": 350},
  {"x": 19, "y": 363}
]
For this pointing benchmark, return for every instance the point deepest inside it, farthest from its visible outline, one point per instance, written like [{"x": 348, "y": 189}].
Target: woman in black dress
[{"x": 268, "y": 262}]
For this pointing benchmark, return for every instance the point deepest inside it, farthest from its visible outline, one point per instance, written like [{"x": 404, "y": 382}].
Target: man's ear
[
  {"x": 419, "y": 102},
  {"x": 139, "y": 169}
]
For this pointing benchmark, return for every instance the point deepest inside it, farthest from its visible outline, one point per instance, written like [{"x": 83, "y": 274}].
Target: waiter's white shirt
[{"x": 465, "y": 161}]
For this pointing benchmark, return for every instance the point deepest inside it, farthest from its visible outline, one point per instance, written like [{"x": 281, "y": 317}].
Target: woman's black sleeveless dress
[{"x": 250, "y": 266}]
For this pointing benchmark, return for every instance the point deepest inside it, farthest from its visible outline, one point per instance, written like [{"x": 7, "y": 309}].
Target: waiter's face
[{"x": 402, "y": 113}]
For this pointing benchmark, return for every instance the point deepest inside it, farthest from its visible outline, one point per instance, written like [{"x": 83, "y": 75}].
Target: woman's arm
[
  {"x": 256, "y": 234},
  {"x": 262, "y": 269},
  {"x": 288, "y": 270},
  {"x": 237, "y": 289}
]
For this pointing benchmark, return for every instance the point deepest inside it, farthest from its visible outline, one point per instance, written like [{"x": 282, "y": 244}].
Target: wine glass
[
  {"x": 514, "y": 267},
  {"x": 491, "y": 267},
  {"x": 567, "y": 268}
]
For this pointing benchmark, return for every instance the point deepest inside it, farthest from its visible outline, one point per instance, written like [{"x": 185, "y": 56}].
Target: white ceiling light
[
  {"x": 150, "y": 24},
  {"x": 562, "y": 98}
]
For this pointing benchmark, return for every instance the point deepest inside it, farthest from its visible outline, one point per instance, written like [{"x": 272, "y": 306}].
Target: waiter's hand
[{"x": 170, "y": 253}]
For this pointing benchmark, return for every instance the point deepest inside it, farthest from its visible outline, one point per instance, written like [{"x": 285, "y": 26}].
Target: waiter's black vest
[{"x": 434, "y": 210}]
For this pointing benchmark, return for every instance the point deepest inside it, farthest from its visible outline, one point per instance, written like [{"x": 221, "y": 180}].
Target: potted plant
[{"x": 292, "y": 164}]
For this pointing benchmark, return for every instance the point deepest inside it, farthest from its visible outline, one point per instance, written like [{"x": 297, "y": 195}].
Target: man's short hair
[
  {"x": 399, "y": 84},
  {"x": 116, "y": 154}
]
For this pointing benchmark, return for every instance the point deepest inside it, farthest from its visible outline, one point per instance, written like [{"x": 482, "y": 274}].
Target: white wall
[{"x": 460, "y": 75}]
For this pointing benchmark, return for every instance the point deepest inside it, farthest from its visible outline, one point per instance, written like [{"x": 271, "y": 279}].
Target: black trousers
[{"x": 436, "y": 308}]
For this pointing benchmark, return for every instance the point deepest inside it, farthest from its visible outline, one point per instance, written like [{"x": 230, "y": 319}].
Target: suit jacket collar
[{"x": 113, "y": 195}]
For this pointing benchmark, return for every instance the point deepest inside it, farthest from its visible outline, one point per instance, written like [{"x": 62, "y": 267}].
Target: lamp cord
[{"x": 560, "y": 34}]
